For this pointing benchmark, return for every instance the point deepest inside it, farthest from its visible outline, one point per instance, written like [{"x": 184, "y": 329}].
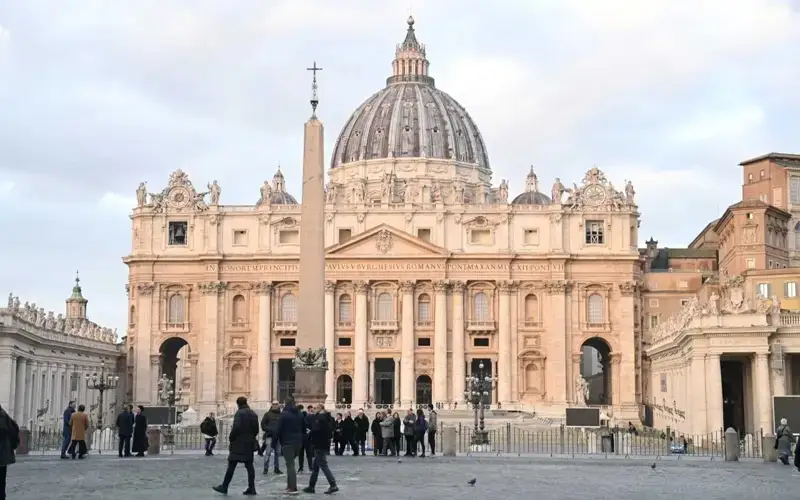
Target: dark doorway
[
  {"x": 344, "y": 390},
  {"x": 285, "y": 379},
  {"x": 172, "y": 350},
  {"x": 424, "y": 390},
  {"x": 384, "y": 382},
  {"x": 483, "y": 368},
  {"x": 596, "y": 370},
  {"x": 733, "y": 414}
]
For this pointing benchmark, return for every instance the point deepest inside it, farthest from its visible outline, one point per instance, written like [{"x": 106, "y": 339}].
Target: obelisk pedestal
[{"x": 310, "y": 361}]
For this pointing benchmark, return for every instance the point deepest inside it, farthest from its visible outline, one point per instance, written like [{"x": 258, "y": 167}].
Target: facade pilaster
[
  {"x": 360, "y": 376},
  {"x": 504, "y": 345},
  {"x": 514, "y": 351},
  {"x": 440, "y": 343},
  {"x": 263, "y": 368},
  {"x": 61, "y": 391},
  {"x": 560, "y": 384},
  {"x": 459, "y": 363},
  {"x": 763, "y": 393},
  {"x": 29, "y": 394},
  {"x": 193, "y": 361},
  {"x": 210, "y": 355},
  {"x": 48, "y": 399},
  {"x": 626, "y": 375},
  {"x": 19, "y": 392},
  {"x": 6, "y": 391},
  {"x": 496, "y": 378},
  {"x": 35, "y": 390},
  {"x": 12, "y": 400},
  {"x": 144, "y": 333},
  {"x": 397, "y": 381},
  {"x": 617, "y": 379},
  {"x": 371, "y": 393},
  {"x": 408, "y": 346},
  {"x": 330, "y": 343},
  {"x": 714, "y": 392}
]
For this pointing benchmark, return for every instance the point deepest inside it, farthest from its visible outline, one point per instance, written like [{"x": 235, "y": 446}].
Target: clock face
[
  {"x": 594, "y": 195},
  {"x": 179, "y": 197}
]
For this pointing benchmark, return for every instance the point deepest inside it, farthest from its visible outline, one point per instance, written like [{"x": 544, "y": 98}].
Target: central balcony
[
  {"x": 481, "y": 326},
  {"x": 383, "y": 325},
  {"x": 284, "y": 327}
]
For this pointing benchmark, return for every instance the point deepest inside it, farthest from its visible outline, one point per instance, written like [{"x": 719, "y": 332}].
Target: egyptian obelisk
[{"x": 310, "y": 360}]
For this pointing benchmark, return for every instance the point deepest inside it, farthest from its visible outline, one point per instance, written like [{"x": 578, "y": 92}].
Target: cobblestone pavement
[{"x": 182, "y": 477}]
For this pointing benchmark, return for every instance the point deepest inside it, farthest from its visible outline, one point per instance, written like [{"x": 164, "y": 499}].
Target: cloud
[
  {"x": 6, "y": 187},
  {"x": 724, "y": 124},
  {"x": 117, "y": 202}
]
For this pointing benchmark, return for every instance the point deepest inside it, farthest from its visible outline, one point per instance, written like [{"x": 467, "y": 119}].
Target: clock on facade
[{"x": 594, "y": 195}]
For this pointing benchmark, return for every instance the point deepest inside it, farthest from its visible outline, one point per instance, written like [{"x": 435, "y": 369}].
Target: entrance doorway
[
  {"x": 174, "y": 356},
  {"x": 384, "y": 382},
  {"x": 424, "y": 390},
  {"x": 596, "y": 370},
  {"x": 285, "y": 379},
  {"x": 344, "y": 390},
  {"x": 733, "y": 414},
  {"x": 486, "y": 371}
]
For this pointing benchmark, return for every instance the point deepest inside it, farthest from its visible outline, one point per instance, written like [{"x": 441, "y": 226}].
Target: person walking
[
  {"x": 9, "y": 441},
  {"x": 210, "y": 433},
  {"x": 140, "y": 443},
  {"x": 66, "y": 431},
  {"x": 387, "y": 431},
  {"x": 433, "y": 422},
  {"x": 243, "y": 441},
  {"x": 269, "y": 424},
  {"x": 784, "y": 438},
  {"x": 78, "y": 423},
  {"x": 125, "y": 431},
  {"x": 290, "y": 436},
  {"x": 320, "y": 436}
]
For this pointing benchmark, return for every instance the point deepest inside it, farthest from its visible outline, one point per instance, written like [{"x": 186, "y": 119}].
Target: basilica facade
[{"x": 432, "y": 273}]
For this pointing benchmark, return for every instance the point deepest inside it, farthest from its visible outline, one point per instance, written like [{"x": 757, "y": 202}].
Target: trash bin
[{"x": 607, "y": 444}]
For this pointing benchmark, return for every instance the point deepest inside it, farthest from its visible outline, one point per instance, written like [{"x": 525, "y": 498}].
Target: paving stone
[{"x": 183, "y": 477}]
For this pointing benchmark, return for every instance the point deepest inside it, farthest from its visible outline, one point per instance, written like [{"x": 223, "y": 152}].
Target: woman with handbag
[{"x": 784, "y": 438}]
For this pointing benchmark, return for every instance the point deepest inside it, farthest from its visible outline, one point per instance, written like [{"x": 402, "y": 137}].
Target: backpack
[{"x": 205, "y": 427}]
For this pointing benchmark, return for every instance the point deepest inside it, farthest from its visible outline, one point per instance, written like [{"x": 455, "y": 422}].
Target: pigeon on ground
[
  {"x": 653, "y": 466},
  {"x": 472, "y": 482}
]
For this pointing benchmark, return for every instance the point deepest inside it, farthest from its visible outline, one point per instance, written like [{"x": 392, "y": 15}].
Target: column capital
[
  {"x": 407, "y": 286},
  {"x": 155, "y": 359},
  {"x": 440, "y": 286},
  {"x": 360, "y": 286},
  {"x": 713, "y": 355},
  {"x": 507, "y": 287},
  {"x": 145, "y": 288},
  {"x": 330, "y": 287},
  {"x": 262, "y": 287},
  {"x": 457, "y": 286},
  {"x": 396, "y": 361},
  {"x": 576, "y": 357},
  {"x": 616, "y": 358},
  {"x": 212, "y": 287},
  {"x": 557, "y": 287},
  {"x": 762, "y": 356}
]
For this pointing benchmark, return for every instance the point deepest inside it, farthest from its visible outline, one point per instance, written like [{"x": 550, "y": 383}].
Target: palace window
[
  {"x": 531, "y": 237},
  {"x": 594, "y": 309},
  {"x": 177, "y": 233},
  {"x": 239, "y": 310},
  {"x": 424, "y": 342},
  {"x": 132, "y": 316},
  {"x": 424, "y": 234},
  {"x": 345, "y": 235},
  {"x": 424, "y": 308},
  {"x": 175, "y": 309},
  {"x": 764, "y": 290},
  {"x": 345, "y": 341},
  {"x": 289, "y": 237},
  {"x": 289, "y": 308},
  {"x": 480, "y": 307},
  {"x": 531, "y": 310},
  {"x": 794, "y": 190},
  {"x": 797, "y": 236},
  {"x": 594, "y": 232},
  {"x": 790, "y": 289},
  {"x": 384, "y": 307},
  {"x": 240, "y": 237},
  {"x": 663, "y": 382},
  {"x": 750, "y": 263},
  {"x": 287, "y": 342},
  {"x": 653, "y": 321},
  {"x": 345, "y": 309},
  {"x": 480, "y": 342}
]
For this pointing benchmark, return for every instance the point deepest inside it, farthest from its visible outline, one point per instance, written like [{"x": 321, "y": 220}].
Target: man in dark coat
[
  {"x": 9, "y": 441},
  {"x": 320, "y": 435},
  {"x": 243, "y": 441},
  {"x": 67, "y": 430},
  {"x": 290, "y": 435},
  {"x": 269, "y": 424},
  {"x": 140, "y": 443},
  {"x": 125, "y": 431},
  {"x": 349, "y": 433},
  {"x": 307, "y": 450},
  {"x": 362, "y": 429},
  {"x": 209, "y": 429}
]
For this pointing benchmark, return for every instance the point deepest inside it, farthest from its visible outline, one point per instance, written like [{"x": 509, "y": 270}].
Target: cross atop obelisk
[{"x": 314, "y": 96}]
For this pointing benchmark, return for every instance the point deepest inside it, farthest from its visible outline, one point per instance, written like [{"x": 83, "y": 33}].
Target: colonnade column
[
  {"x": 194, "y": 396},
  {"x": 371, "y": 389},
  {"x": 714, "y": 393},
  {"x": 763, "y": 392},
  {"x": 396, "y": 401},
  {"x": 6, "y": 392},
  {"x": 330, "y": 343},
  {"x": 779, "y": 369},
  {"x": 61, "y": 373},
  {"x": 19, "y": 391},
  {"x": 12, "y": 399},
  {"x": 35, "y": 390},
  {"x": 263, "y": 367},
  {"x": 459, "y": 370},
  {"x": 440, "y": 343},
  {"x": 494, "y": 375},
  {"x": 29, "y": 393},
  {"x": 360, "y": 376},
  {"x": 504, "y": 345},
  {"x": 48, "y": 401},
  {"x": 407, "y": 346},
  {"x": 155, "y": 374}
]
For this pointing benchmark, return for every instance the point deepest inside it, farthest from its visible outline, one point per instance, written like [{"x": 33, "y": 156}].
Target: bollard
[
  {"x": 768, "y": 449},
  {"x": 731, "y": 445},
  {"x": 449, "y": 441},
  {"x": 24, "y": 442},
  {"x": 153, "y": 441}
]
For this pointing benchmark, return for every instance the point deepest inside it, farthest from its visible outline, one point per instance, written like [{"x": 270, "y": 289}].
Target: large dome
[{"x": 410, "y": 118}]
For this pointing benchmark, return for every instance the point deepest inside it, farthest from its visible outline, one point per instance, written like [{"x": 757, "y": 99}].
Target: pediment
[{"x": 385, "y": 240}]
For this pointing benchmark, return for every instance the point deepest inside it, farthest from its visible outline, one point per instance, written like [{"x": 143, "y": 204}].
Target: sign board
[
  {"x": 583, "y": 417},
  {"x": 160, "y": 415},
  {"x": 787, "y": 407}
]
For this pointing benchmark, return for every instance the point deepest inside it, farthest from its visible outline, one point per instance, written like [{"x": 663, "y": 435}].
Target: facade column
[
  {"x": 371, "y": 393},
  {"x": 497, "y": 379},
  {"x": 263, "y": 367},
  {"x": 440, "y": 343},
  {"x": 360, "y": 377},
  {"x": 616, "y": 379},
  {"x": 46, "y": 399},
  {"x": 408, "y": 347},
  {"x": 155, "y": 374},
  {"x": 61, "y": 370},
  {"x": 275, "y": 374},
  {"x": 514, "y": 352},
  {"x": 714, "y": 393},
  {"x": 330, "y": 343},
  {"x": 396, "y": 398},
  {"x": 560, "y": 384},
  {"x": 19, "y": 393},
  {"x": 29, "y": 393},
  {"x": 144, "y": 326},
  {"x": 6, "y": 367},
  {"x": 459, "y": 368},
  {"x": 504, "y": 345},
  {"x": 763, "y": 393},
  {"x": 210, "y": 353},
  {"x": 12, "y": 400}
]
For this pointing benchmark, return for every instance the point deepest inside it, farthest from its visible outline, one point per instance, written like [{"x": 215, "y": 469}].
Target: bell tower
[{"x": 76, "y": 304}]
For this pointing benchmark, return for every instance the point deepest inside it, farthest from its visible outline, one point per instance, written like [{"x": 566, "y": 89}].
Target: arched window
[
  {"x": 384, "y": 307},
  {"x": 594, "y": 309},
  {"x": 531, "y": 309},
  {"x": 424, "y": 308},
  {"x": 176, "y": 309},
  {"x": 132, "y": 317},
  {"x": 480, "y": 307},
  {"x": 289, "y": 308},
  {"x": 239, "y": 310},
  {"x": 797, "y": 236},
  {"x": 237, "y": 378},
  {"x": 345, "y": 309}
]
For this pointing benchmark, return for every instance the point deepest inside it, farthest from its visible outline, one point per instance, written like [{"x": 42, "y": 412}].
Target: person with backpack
[
  {"x": 209, "y": 429},
  {"x": 420, "y": 428},
  {"x": 9, "y": 441}
]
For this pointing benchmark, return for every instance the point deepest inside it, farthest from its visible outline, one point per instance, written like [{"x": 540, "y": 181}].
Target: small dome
[
  {"x": 532, "y": 196},
  {"x": 279, "y": 194}
]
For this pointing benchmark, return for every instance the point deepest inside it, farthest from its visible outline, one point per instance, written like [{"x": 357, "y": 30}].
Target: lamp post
[
  {"x": 478, "y": 387},
  {"x": 169, "y": 397},
  {"x": 101, "y": 382}
]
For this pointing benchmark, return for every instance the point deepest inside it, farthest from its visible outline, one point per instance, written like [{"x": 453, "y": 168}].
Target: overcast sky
[{"x": 672, "y": 94}]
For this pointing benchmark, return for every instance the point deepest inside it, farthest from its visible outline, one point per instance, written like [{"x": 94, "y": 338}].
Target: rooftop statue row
[
  {"x": 595, "y": 193},
  {"x": 37, "y": 317}
]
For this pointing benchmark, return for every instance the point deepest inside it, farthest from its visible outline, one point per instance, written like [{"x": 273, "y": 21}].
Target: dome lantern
[
  {"x": 410, "y": 62},
  {"x": 532, "y": 196}
]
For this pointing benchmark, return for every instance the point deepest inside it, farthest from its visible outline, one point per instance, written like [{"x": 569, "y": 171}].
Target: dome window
[
  {"x": 407, "y": 128},
  {"x": 379, "y": 131},
  {"x": 435, "y": 130}
]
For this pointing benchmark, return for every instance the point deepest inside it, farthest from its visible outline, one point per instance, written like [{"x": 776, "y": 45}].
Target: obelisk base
[{"x": 309, "y": 385}]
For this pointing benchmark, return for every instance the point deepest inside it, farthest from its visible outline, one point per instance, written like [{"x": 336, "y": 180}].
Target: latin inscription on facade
[{"x": 388, "y": 266}]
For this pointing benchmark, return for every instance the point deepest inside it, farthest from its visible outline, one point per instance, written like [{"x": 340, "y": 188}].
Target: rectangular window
[
  {"x": 751, "y": 263},
  {"x": 345, "y": 341},
  {"x": 287, "y": 342},
  {"x": 653, "y": 302},
  {"x": 531, "y": 237},
  {"x": 790, "y": 289},
  {"x": 424, "y": 342},
  {"x": 480, "y": 237},
  {"x": 289, "y": 237},
  {"x": 770, "y": 264},
  {"x": 764, "y": 290},
  {"x": 345, "y": 235},
  {"x": 424, "y": 234},
  {"x": 663, "y": 382},
  {"x": 794, "y": 190},
  {"x": 480, "y": 342},
  {"x": 653, "y": 321},
  {"x": 240, "y": 237},
  {"x": 178, "y": 233},
  {"x": 594, "y": 232}
]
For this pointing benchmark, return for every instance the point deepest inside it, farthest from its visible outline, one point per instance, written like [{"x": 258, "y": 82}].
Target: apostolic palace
[{"x": 433, "y": 271}]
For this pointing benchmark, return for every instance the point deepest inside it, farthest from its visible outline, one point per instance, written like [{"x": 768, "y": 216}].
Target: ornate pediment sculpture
[
  {"x": 596, "y": 193},
  {"x": 734, "y": 300},
  {"x": 179, "y": 195}
]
